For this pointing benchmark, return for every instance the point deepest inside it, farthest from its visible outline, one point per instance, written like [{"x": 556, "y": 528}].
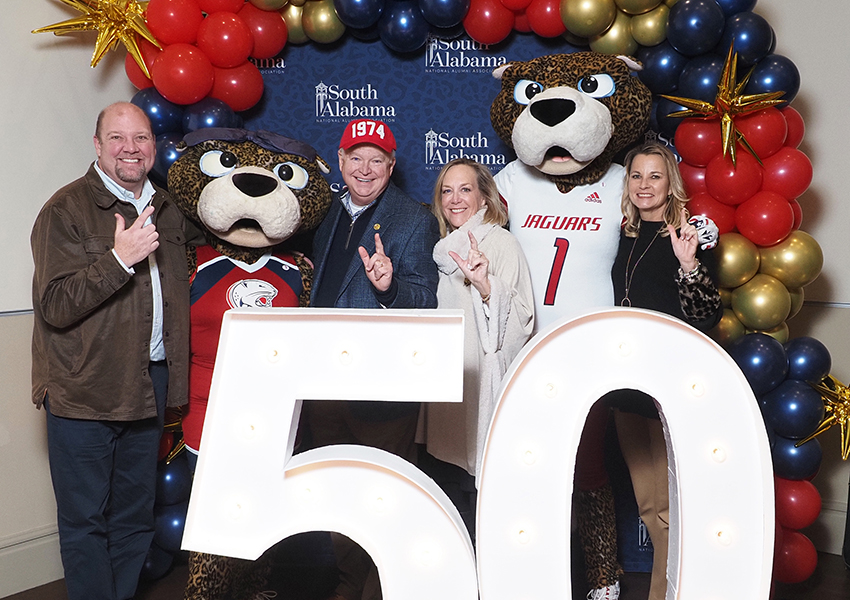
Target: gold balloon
[
  {"x": 796, "y": 261},
  {"x": 737, "y": 260},
  {"x": 780, "y": 333},
  {"x": 573, "y": 39},
  {"x": 762, "y": 303},
  {"x": 797, "y": 297},
  {"x": 636, "y": 7},
  {"x": 650, "y": 29},
  {"x": 618, "y": 39},
  {"x": 728, "y": 330},
  {"x": 670, "y": 3},
  {"x": 295, "y": 31},
  {"x": 586, "y": 18},
  {"x": 268, "y": 4},
  {"x": 725, "y": 297},
  {"x": 298, "y": 2},
  {"x": 320, "y": 21}
]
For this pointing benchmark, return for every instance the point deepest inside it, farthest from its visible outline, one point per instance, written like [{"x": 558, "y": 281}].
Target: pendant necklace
[{"x": 626, "y": 302}]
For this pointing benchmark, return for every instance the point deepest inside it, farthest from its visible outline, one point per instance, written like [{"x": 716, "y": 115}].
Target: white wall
[{"x": 49, "y": 102}]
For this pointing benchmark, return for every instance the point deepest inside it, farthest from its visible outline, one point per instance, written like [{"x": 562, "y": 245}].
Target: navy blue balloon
[
  {"x": 157, "y": 563},
  {"x": 402, "y": 26},
  {"x": 775, "y": 73},
  {"x": 793, "y": 409},
  {"x": 209, "y": 112},
  {"x": 751, "y": 35},
  {"x": 762, "y": 360},
  {"x": 700, "y": 77},
  {"x": 169, "y": 523},
  {"x": 444, "y": 13},
  {"x": 173, "y": 480},
  {"x": 166, "y": 154},
  {"x": 359, "y": 14},
  {"x": 731, "y": 7},
  {"x": 367, "y": 34},
  {"x": 808, "y": 359},
  {"x": 695, "y": 26},
  {"x": 662, "y": 66},
  {"x": 790, "y": 462},
  {"x": 448, "y": 33},
  {"x": 165, "y": 116},
  {"x": 667, "y": 125}
]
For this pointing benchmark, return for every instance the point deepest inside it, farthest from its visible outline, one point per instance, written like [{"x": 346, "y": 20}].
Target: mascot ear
[
  {"x": 633, "y": 64},
  {"x": 499, "y": 71},
  {"x": 324, "y": 167}
]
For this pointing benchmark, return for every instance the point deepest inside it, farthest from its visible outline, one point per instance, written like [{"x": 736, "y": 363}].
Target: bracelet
[
  {"x": 691, "y": 275},
  {"x": 485, "y": 299}
]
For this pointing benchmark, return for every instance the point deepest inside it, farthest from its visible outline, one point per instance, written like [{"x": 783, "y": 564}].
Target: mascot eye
[
  {"x": 525, "y": 90},
  {"x": 597, "y": 86},
  {"x": 292, "y": 175},
  {"x": 216, "y": 163}
]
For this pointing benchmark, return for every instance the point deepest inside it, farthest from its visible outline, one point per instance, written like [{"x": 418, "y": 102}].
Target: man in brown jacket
[{"x": 110, "y": 350}]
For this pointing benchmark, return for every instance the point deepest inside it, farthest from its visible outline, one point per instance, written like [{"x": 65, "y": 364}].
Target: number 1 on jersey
[{"x": 561, "y": 245}]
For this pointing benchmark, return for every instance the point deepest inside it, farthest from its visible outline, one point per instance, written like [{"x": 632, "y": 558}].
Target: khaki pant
[{"x": 645, "y": 452}]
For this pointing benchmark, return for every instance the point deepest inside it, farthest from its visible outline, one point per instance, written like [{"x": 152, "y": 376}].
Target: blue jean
[{"x": 104, "y": 480}]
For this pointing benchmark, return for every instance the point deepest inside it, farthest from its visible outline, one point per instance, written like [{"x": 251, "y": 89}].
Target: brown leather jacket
[{"x": 92, "y": 326}]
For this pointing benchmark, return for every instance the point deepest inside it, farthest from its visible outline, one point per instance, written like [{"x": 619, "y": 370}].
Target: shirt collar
[{"x": 123, "y": 193}]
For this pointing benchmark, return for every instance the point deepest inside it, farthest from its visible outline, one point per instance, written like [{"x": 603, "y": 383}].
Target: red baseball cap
[{"x": 368, "y": 131}]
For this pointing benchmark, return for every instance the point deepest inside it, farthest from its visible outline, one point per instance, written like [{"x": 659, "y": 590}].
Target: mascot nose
[
  {"x": 552, "y": 111},
  {"x": 254, "y": 184}
]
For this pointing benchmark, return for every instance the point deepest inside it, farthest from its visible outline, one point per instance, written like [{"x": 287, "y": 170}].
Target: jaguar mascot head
[
  {"x": 249, "y": 190},
  {"x": 567, "y": 115}
]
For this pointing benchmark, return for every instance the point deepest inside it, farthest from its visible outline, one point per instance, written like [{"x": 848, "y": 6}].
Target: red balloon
[
  {"x": 182, "y": 74},
  {"x": 733, "y": 183},
  {"x": 240, "y": 87},
  {"x": 521, "y": 23},
  {"x": 788, "y": 172},
  {"x": 225, "y": 39},
  {"x": 516, "y": 5},
  {"x": 723, "y": 215},
  {"x": 698, "y": 141},
  {"x": 174, "y": 21},
  {"x": 798, "y": 214},
  {"x": 488, "y": 21},
  {"x": 777, "y": 540},
  {"x": 765, "y": 130},
  {"x": 214, "y": 6},
  {"x": 693, "y": 178},
  {"x": 544, "y": 17},
  {"x": 134, "y": 72},
  {"x": 765, "y": 219},
  {"x": 269, "y": 30},
  {"x": 797, "y": 558},
  {"x": 796, "y": 126},
  {"x": 798, "y": 503}
]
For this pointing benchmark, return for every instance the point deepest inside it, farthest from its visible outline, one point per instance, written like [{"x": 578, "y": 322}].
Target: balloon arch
[{"x": 204, "y": 73}]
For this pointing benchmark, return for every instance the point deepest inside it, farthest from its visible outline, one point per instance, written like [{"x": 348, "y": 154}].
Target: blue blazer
[{"x": 408, "y": 231}]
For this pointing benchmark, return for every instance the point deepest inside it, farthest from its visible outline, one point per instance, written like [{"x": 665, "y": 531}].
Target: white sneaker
[{"x": 611, "y": 592}]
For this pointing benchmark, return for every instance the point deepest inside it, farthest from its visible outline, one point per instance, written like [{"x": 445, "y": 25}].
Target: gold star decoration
[
  {"x": 114, "y": 21},
  {"x": 728, "y": 104},
  {"x": 836, "y": 403}
]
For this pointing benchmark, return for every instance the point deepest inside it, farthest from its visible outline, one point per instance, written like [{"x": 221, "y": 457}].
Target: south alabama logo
[
  {"x": 442, "y": 147},
  {"x": 251, "y": 293},
  {"x": 335, "y": 102},
  {"x": 459, "y": 56}
]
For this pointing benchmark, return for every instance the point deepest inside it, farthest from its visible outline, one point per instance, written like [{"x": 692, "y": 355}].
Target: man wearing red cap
[{"x": 373, "y": 250}]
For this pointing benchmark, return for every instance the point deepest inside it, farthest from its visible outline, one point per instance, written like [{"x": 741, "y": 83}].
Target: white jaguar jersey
[{"x": 570, "y": 240}]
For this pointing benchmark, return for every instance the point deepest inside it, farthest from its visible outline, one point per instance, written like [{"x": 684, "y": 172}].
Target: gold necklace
[{"x": 626, "y": 302}]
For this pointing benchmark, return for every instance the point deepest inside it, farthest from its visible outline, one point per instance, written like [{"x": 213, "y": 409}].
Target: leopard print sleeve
[{"x": 699, "y": 298}]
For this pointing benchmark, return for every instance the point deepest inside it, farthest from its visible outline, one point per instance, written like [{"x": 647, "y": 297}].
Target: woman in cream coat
[{"x": 483, "y": 271}]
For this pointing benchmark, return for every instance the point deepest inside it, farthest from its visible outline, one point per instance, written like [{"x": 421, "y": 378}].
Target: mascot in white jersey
[{"x": 566, "y": 116}]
